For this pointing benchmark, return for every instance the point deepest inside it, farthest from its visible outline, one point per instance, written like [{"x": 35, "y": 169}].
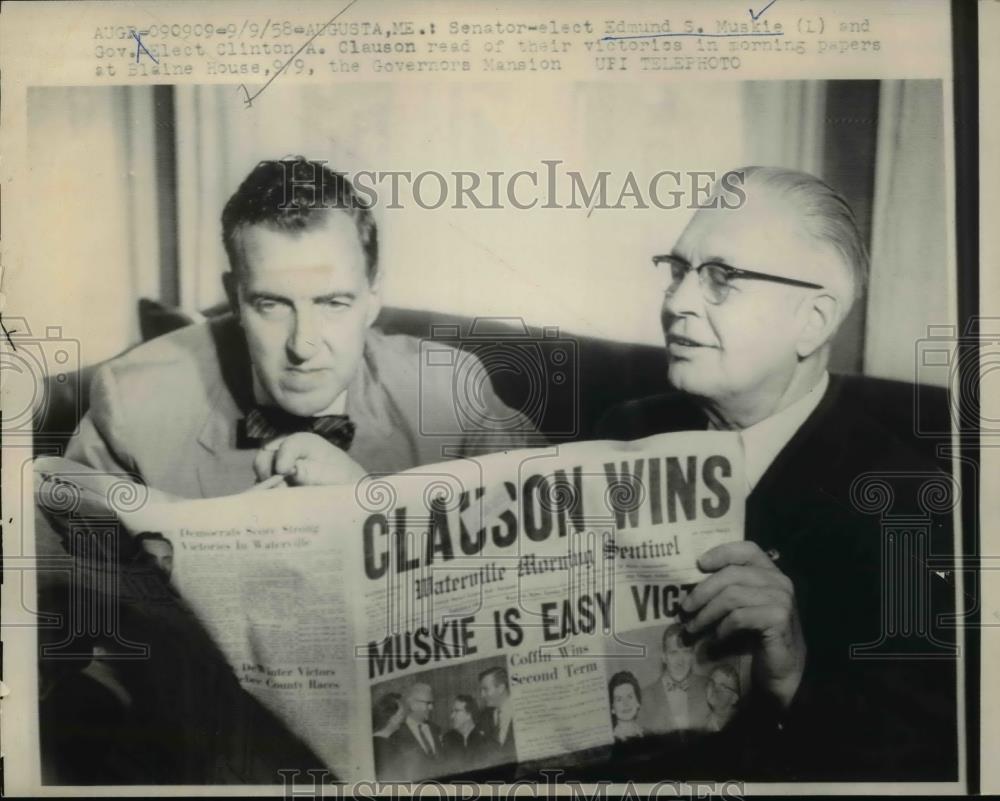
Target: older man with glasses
[{"x": 752, "y": 300}]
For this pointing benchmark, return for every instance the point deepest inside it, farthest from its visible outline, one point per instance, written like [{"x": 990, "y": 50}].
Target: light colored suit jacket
[
  {"x": 655, "y": 716},
  {"x": 168, "y": 411}
]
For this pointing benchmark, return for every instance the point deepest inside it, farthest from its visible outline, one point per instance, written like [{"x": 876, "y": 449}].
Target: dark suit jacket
[
  {"x": 385, "y": 757},
  {"x": 499, "y": 753},
  {"x": 184, "y": 718},
  {"x": 878, "y": 700},
  {"x": 410, "y": 761}
]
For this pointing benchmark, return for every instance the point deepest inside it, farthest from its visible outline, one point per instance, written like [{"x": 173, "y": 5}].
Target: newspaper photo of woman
[{"x": 626, "y": 700}]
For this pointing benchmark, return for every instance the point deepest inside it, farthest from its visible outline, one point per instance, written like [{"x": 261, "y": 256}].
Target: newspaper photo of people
[
  {"x": 448, "y": 722},
  {"x": 554, "y": 394},
  {"x": 675, "y": 686}
]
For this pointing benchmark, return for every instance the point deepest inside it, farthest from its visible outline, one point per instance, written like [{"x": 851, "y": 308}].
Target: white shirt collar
[
  {"x": 415, "y": 728},
  {"x": 337, "y": 407},
  {"x": 763, "y": 441}
]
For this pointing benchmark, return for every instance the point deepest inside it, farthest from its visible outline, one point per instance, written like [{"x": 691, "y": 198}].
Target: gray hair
[{"x": 825, "y": 215}]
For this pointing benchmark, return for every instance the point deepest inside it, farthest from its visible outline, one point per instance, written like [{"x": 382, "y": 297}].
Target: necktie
[
  {"x": 265, "y": 423},
  {"x": 425, "y": 739}
]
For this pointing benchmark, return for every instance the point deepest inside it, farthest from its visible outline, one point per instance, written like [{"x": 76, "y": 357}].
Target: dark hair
[
  {"x": 151, "y": 536},
  {"x": 498, "y": 675},
  {"x": 469, "y": 703},
  {"x": 384, "y": 709},
  {"x": 621, "y": 678},
  {"x": 294, "y": 194}
]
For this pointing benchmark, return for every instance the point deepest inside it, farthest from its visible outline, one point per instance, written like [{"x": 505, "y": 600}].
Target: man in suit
[
  {"x": 752, "y": 300},
  {"x": 676, "y": 700},
  {"x": 497, "y": 720},
  {"x": 419, "y": 752},
  {"x": 296, "y": 382},
  {"x": 294, "y": 386}
]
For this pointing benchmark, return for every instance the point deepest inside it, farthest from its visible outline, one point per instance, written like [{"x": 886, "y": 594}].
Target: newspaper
[{"x": 526, "y": 581}]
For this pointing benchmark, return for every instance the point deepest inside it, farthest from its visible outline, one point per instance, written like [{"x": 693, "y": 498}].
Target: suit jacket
[
  {"x": 873, "y": 705},
  {"x": 499, "y": 753},
  {"x": 655, "y": 716},
  {"x": 386, "y": 763},
  {"x": 410, "y": 762},
  {"x": 169, "y": 411}
]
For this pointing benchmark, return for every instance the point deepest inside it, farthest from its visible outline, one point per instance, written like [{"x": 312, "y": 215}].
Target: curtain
[
  {"x": 220, "y": 139},
  {"x": 95, "y": 248},
  {"x": 784, "y": 124},
  {"x": 911, "y": 285},
  {"x": 552, "y": 267},
  {"x": 100, "y": 168}
]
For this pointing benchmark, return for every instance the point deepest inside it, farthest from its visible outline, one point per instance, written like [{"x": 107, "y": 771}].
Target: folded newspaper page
[{"x": 518, "y": 608}]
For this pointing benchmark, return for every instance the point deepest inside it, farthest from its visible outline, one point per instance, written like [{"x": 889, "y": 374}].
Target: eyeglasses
[
  {"x": 724, "y": 688},
  {"x": 715, "y": 278}
]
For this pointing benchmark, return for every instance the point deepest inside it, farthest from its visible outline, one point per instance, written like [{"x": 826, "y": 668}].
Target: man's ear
[
  {"x": 231, "y": 283},
  {"x": 822, "y": 314},
  {"x": 375, "y": 303}
]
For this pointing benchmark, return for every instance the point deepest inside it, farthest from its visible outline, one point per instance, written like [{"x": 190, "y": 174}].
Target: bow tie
[
  {"x": 681, "y": 686},
  {"x": 263, "y": 424}
]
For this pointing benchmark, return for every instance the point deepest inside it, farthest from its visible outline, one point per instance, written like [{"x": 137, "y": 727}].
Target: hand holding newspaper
[{"x": 516, "y": 608}]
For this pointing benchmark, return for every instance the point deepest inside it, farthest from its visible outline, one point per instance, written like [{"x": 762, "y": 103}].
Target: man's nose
[
  {"x": 685, "y": 298},
  {"x": 303, "y": 339}
]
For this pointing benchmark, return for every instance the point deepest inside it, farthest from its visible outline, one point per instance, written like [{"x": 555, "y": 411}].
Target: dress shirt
[
  {"x": 422, "y": 733},
  {"x": 503, "y": 716},
  {"x": 763, "y": 441},
  {"x": 677, "y": 700}
]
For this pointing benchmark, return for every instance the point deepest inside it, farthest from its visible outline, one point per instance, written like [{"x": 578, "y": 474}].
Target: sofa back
[{"x": 565, "y": 383}]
